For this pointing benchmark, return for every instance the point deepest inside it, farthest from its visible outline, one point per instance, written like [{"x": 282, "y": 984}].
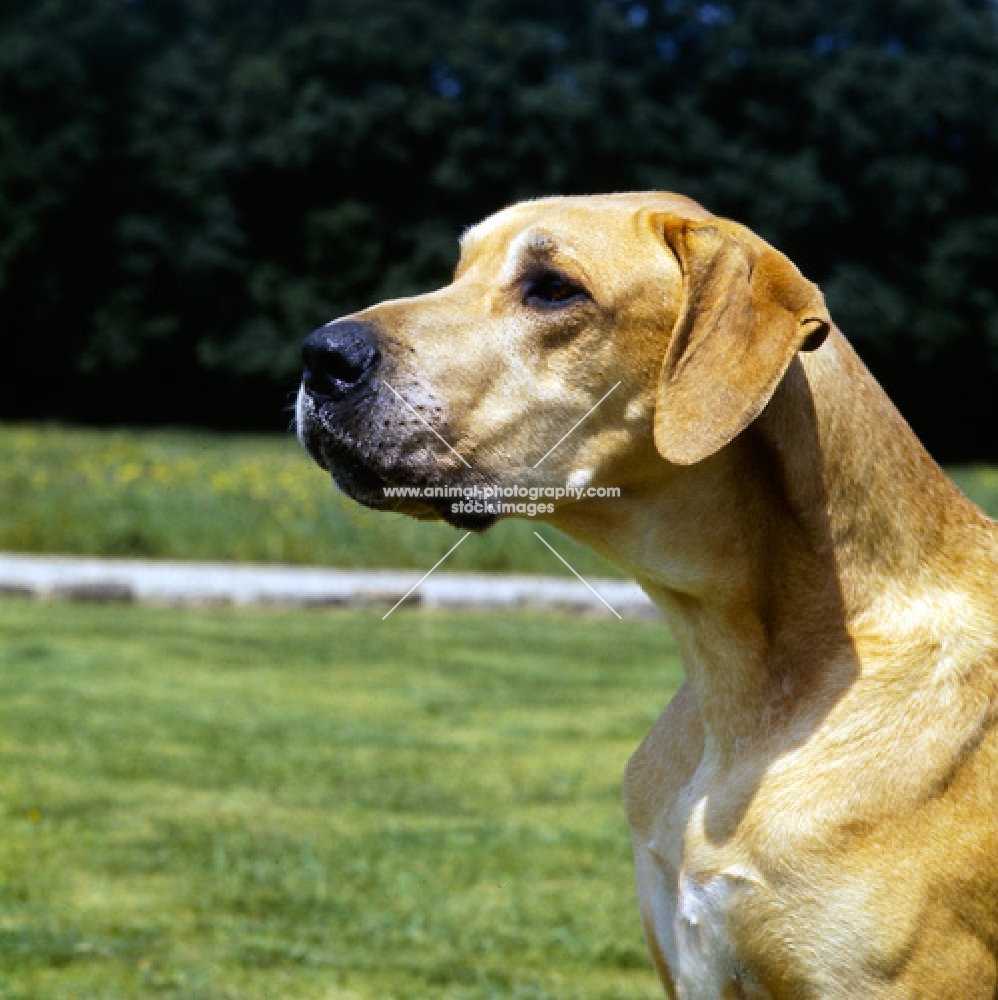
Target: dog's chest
[
  {"x": 689, "y": 910},
  {"x": 724, "y": 929},
  {"x": 706, "y": 962}
]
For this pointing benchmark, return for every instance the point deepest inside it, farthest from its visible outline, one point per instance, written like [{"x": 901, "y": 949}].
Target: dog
[{"x": 815, "y": 814}]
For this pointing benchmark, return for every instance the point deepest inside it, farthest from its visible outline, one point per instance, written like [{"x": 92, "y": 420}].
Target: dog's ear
[{"x": 746, "y": 312}]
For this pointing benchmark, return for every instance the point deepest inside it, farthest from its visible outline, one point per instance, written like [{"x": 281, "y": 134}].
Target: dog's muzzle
[{"x": 351, "y": 422}]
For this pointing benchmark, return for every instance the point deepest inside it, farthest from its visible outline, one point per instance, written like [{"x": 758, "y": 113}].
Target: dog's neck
[{"x": 767, "y": 558}]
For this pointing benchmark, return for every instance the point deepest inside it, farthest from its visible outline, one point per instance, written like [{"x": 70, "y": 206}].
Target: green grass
[
  {"x": 980, "y": 483},
  {"x": 267, "y": 804},
  {"x": 196, "y": 495}
]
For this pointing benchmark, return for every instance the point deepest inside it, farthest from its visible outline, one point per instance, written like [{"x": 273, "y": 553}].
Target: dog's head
[{"x": 677, "y": 324}]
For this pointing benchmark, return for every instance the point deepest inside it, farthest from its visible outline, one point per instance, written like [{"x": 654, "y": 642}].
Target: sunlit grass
[
  {"x": 980, "y": 483},
  {"x": 196, "y": 495},
  {"x": 284, "y": 804}
]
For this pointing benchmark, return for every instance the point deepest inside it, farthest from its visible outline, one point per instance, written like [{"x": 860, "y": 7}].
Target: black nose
[{"x": 338, "y": 358}]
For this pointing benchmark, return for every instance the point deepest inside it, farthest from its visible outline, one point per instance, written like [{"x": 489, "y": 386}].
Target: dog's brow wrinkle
[
  {"x": 533, "y": 243},
  {"x": 524, "y": 246}
]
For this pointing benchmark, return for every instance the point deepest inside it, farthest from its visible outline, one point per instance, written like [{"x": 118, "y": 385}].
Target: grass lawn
[
  {"x": 195, "y": 495},
  {"x": 284, "y": 804}
]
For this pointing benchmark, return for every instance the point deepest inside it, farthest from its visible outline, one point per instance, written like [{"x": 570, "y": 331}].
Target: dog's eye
[{"x": 550, "y": 290}]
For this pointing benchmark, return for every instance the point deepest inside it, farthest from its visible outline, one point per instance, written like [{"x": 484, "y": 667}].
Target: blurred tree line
[{"x": 187, "y": 187}]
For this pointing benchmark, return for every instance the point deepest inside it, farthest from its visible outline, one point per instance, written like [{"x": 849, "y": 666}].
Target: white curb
[{"x": 80, "y": 578}]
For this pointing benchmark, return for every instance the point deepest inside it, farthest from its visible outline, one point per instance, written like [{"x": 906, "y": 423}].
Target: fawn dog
[{"x": 815, "y": 814}]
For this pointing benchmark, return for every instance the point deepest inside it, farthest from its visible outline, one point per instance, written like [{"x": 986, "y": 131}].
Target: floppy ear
[{"x": 746, "y": 312}]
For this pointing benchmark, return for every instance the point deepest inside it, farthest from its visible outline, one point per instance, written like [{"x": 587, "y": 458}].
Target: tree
[{"x": 188, "y": 186}]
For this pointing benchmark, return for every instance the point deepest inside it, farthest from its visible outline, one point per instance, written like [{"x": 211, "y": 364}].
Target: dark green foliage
[{"x": 188, "y": 186}]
